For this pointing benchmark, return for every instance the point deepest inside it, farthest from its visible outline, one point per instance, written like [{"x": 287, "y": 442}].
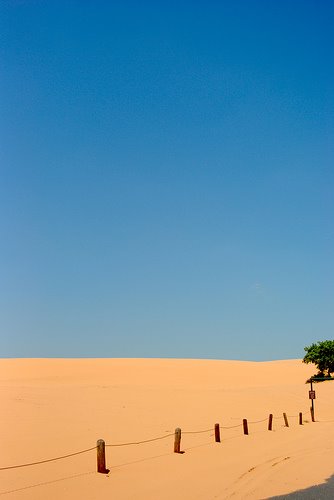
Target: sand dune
[{"x": 54, "y": 407}]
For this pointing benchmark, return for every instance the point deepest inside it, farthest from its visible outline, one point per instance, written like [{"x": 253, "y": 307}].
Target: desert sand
[{"x": 55, "y": 407}]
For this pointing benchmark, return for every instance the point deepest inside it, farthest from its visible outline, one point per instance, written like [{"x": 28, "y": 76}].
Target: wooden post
[
  {"x": 300, "y": 418},
  {"x": 217, "y": 433},
  {"x": 101, "y": 457},
  {"x": 177, "y": 441},
  {"x": 285, "y": 420},
  {"x": 270, "y": 422},
  {"x": 245, "y": 425},
  {"x": 312, "y": 403}
]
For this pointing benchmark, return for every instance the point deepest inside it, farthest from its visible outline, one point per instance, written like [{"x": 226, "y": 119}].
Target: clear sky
[{"x": 167, "y": 178}]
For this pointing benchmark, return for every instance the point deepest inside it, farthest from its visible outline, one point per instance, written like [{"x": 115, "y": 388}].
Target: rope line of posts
[
  {"x": 49, "y": 459},
  {"x": 231, "y": 426},
  {"x": 140, "y": 442},
  {"x": 101, "y": 445},
  {"x": 258, "y": 421},
  {"x": 197, "y": 432}
]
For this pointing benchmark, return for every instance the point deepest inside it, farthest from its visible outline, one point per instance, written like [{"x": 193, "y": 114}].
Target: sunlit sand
[{"x": 55, "y": 407}]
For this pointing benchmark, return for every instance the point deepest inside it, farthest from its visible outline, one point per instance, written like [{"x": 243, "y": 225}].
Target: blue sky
[{"x": 166, "y": 179}]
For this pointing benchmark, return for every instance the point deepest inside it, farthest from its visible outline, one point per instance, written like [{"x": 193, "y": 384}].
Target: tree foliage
[{"x": 322, "y": 355}]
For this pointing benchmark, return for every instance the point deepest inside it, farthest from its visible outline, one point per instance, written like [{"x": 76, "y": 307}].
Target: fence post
[
  {"x": 245, "y": 425},
  {"x": 312, "y": 414},
  {"x": 285, "y": 420},
  {"x": 177, "y": 440},
  {"x": 101, "y": 457},
  {"x": 300, "y": 418},
  {"x": 217, "y": 433},
  {"x": 270, "y": 423}
]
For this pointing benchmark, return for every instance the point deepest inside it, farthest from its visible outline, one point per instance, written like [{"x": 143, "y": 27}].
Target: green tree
[{"x": 322, "y": 355}]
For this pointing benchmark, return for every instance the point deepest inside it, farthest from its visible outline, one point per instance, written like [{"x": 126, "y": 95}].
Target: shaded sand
[
  {"x": 54, "y": 407},
  {"x": 320, "y": 492}
]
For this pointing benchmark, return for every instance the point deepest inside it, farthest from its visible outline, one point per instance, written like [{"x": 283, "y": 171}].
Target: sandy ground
[{"x": 54, "y": 407}]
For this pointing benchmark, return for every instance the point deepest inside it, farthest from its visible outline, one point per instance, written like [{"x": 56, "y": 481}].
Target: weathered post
[
  {"x": 270, "y": 422},
  {"x": 101, "y": 457},
  {"x": 217, "y": 433},
  {"x": 300, "y": 418},
  {"x": 285, "y": 420},
  {"x": 177, "y": 440},
  {"x": 245, "y": 426},
  {"x": 312, "y": 398}
]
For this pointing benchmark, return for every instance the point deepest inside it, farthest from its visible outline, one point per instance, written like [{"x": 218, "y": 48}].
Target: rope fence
[
  {"x": 101, "y": 445},
  {"x": 141, "y": 442},
  {"x": 49, "y": 459}
]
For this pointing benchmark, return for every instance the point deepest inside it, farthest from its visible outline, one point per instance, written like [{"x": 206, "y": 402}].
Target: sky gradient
[{"x": 167, "y": 178}]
